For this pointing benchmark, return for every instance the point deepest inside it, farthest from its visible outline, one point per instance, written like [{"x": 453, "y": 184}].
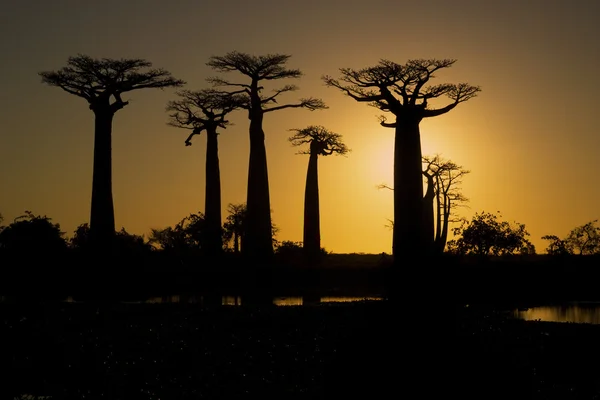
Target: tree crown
[
  {"x": 202, "y": 110},
  {"x": 96, "y": 80},
  {"x": 322, "y": 141},
  {"x": 260, "y": 68},
  {"x": 402, "y": 90}
]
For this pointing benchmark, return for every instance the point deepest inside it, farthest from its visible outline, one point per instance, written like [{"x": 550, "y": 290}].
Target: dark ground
[{"x": 361, "y": 350}]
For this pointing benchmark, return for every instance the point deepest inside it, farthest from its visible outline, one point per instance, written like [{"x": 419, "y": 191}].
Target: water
[
  {"x": 238, "y": 301},
  {"x": 580, "y": 312}
]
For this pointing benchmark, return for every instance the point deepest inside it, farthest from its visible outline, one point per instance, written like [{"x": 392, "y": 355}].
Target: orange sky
[{"x": 530, "y": 138}]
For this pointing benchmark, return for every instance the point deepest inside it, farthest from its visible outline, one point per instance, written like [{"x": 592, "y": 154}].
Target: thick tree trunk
[
  {"x": 257, "y": 241},
  {"x": 428, "y": 214},
  {"x": 312, "y": 232},
  {"x": 102, "y": 215},
  {"x": 212, "y": 197},
  {"x": 409, "y": 238}
]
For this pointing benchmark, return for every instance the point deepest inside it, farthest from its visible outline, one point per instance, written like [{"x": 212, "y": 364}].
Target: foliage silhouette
[
  {"x": 233, "y": 228},
  {"x": 322, "y": 142},
  {"x": 206, "y": 110},
  {"x": 582, "y": 240},
  {"x": 443, "y": 180},
  {"x": 403, "y": 91},
  {"x": 557, "y": 246},
  {"x": 485, "y": 234},
  {"x": 258, "y": 243},
  {"x": 125, "y": 244},
  {"x": 101, "y": 82},
  {"x": 32, "y": 235},
  {"x": 183, "y": 240}
]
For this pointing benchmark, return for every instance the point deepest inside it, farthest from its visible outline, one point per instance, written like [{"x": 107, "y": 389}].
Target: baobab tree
[
  {"x": 257, "y": 242},
  {"x": 442, "y": 179},
  {"x": 443, "y": 194},
  {"x": 403, "y": 90},
  {"x": 206, "y": 110},
  {"x": 102, "y": 82},
  {"x": 322, "y": 142}
]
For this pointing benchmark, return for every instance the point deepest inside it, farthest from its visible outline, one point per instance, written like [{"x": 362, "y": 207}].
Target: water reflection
[
  {"x": 237, "y": 300},
  {"x": 278, "y": 301},
  {"x": 585, "y": 313}
]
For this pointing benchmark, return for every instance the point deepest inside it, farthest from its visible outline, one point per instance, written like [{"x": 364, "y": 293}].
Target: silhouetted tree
[
  {"x": 442, "y": 179},
  {"x": 125, "y": 243},
  {"x": 186, "y": 238},
  {"x": 322, "y": 142},
  {"x": 101, "y": 82},
  {"x": 485, "y": 234},
  {"x": 233, "y": 228},
  {"x": 582, "y": 240},
  {"x": 557, "y": 246},
  {"x": 443, "y": 188},
  {"x": 403, "y": 91},
  {"x": 32, "y": 235},
  {"x": 585, "y": 239},
  {"x": 258, "y": 241},
  {"x": 206, "y": 110}
]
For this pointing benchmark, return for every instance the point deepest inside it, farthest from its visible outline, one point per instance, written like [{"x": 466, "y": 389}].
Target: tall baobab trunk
[
  {"x": 428, "y": 214},
  {"x": 408, "y": 238},
  {"x": 102, "y": 215},
  {"x": 257, "y": 241},
  {"x": 312, "y": 233},
  {"x": 212, "y": 196}
]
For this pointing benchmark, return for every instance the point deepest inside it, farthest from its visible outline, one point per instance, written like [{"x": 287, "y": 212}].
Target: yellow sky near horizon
[{"x": 530, "y": 138}]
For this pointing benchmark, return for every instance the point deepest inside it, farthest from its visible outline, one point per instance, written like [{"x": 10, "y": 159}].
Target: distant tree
[
  {"x": 101, "y": 82},
  {"x": 125, "y": 243},
  {"x": 187, "y": 237},
  {"x": 322, "y": 142},
  {"x": 258, "y": 241},
  {"x": 233, "y": 228},
  {"x": 582, "y": 240},
  {"x": 485, "y": 234},
  {"x": 403, "y": 91},
  {"x": 443, "y": 178},
  {"x": 206, "y": 110},
  {"x": 32, "y": 235},
  {"x": 557, "y": 246}
]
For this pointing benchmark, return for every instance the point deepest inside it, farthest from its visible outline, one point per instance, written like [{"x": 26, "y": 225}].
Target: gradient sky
[{"x": 530, "y": 138}]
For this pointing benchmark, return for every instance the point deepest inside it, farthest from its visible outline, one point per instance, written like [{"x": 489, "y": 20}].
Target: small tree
[
  {"x": 322, "y": 142},
  {"x": 206, "y": 110},
  {"x": 125, "y": 243},
  {"x": 258, "y": 241},
  {"x": 443, "y": 194},
  {"x": 102, "y": 82},
  {"x": 187, "y": 237},
  {"x": 443, "y": 179},
  {"x": 486, "y": 235},
  {"x": 557, "y": 246},
  {"x": 34, "y": 235},
  {"x": 582, "y": 240},
  {"x": 233, "y": 228}
]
